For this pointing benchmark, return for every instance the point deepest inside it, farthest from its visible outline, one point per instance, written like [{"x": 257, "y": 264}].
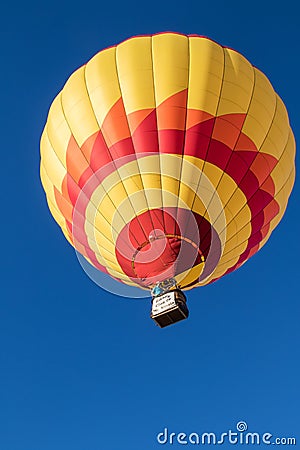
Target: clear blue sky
[{"x": 81, "y": 369}]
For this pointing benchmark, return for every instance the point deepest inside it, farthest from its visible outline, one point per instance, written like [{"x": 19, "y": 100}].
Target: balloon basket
[{"x": 169, "y": 308}]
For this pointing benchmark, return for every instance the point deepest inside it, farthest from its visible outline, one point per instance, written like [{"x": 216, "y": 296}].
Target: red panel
[
  {"x": 75, "y": 161},
  {"x": 73, "y": 189},
  {"x": 197, "y": 139},
  {"x": 63, "y": 205},
  {"x": 225, "y": 132},
  {"x": 171, "y": 123},
  {"x": 115, "y": 125},
  {"x": 171, "y": 141},
  {"x": 162, "y": 255},
  {"x": 145, "y": 137},
  {"x": 100, "y": 154},
  {"x": 171, "y": 114},
  {"x": 245, "y": 143}
]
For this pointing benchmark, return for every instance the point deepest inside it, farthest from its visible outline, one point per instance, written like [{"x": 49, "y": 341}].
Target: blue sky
[{"x": 81, "y": 369}]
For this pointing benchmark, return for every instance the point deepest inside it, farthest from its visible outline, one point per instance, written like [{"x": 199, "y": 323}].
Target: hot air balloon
[{"x": 167, "y": 161}]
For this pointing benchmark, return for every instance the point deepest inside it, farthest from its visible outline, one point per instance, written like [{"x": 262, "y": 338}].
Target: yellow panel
[
  {"x": 170, "y": 175},
  {"x": 137, "y": 199},
  {"x": 117, "y": 272},
  {"x": 231, "y": 197},
  {"x": 77, "y": 107},
  {"x": 153, "y": 196},
  {"x": 191, "y": 171},
  {"x": 198, "y": 206},
  {"x": 275, "y": 141},
  {"x": 278, "y": 134},
  {"x": 113, "y": 179},
  {"x": 102, "y": 82},
  {"x": 281, "y": 118},
  {"x": 238, "y": 69},
  {"x": 242, "y": 219},
  {"x": 108, "y": 202},
  {"x": 170, "y": 186},
  {"x": 198, "y": 175},
  {"x": 235, "y": 100},
  {"x": 170, "y": 64},
  {"x": 58, "y": 130},
  {"x": 282, "y": 170},
  {"x": 92, "y": 228},
  {"x": 171, "y": 165},
  {"x": 147, "y": 198},
  {"x": 261, "y": 111},
  {"x": 203, "y": 201},
  {"x": 227, "y": 188},
  {"x": 100, "y": 223},
  {"x": 150, "y": 172},
  {"x": 264, "y": 92},
  {"x": 237, "y": 245},
  {"x": 132, "y": 184},
  {"x": 237, "y": 231},
  {"x": 190, "y": 275},
  {"x": 94, "y": 234},
  {"x": 131, "y": 173},
  {"x": 100, "y": 260},
  {"x": 236, "y": 206},
  {"x": 208, "y": 100},
  {"x": 134, "y": 64},
  {"x": 237, "y": 85},
  {"x": 55, "y": 169},
  {"x": 206, "y": 73},
  {"x": 215, "y": 210},
  {"x": 259, "y": 114},
  {"x": 150, "y": 164},
  {"x": 188, "y": 190},
  {"x": 127, "y": 212},
  {"x": 107, "y": 261},
  {"x": 186, "y": 195},
  {"x": 231, "y": 257},
  {"x": 153, "y": 199},
  {"x": 230, "y": 232},
  {"x": 105, "y": 253},
  {"x": 282, "y": 196},
  {"x": 103, "y": 248},
  {"x": 133, "y": 204},
  {"x": 106, "y": 207},
  {"x": 222, "y": 269},
  {"x": 128, "y": 177},
  {"x": 47, "y": 184},
  {"x": 282, "y": 199},
  {"x": 255, "y": 130}
]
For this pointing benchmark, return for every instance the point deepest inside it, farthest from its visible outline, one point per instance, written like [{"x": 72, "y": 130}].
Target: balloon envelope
[{"x": 167, "y": 156}]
